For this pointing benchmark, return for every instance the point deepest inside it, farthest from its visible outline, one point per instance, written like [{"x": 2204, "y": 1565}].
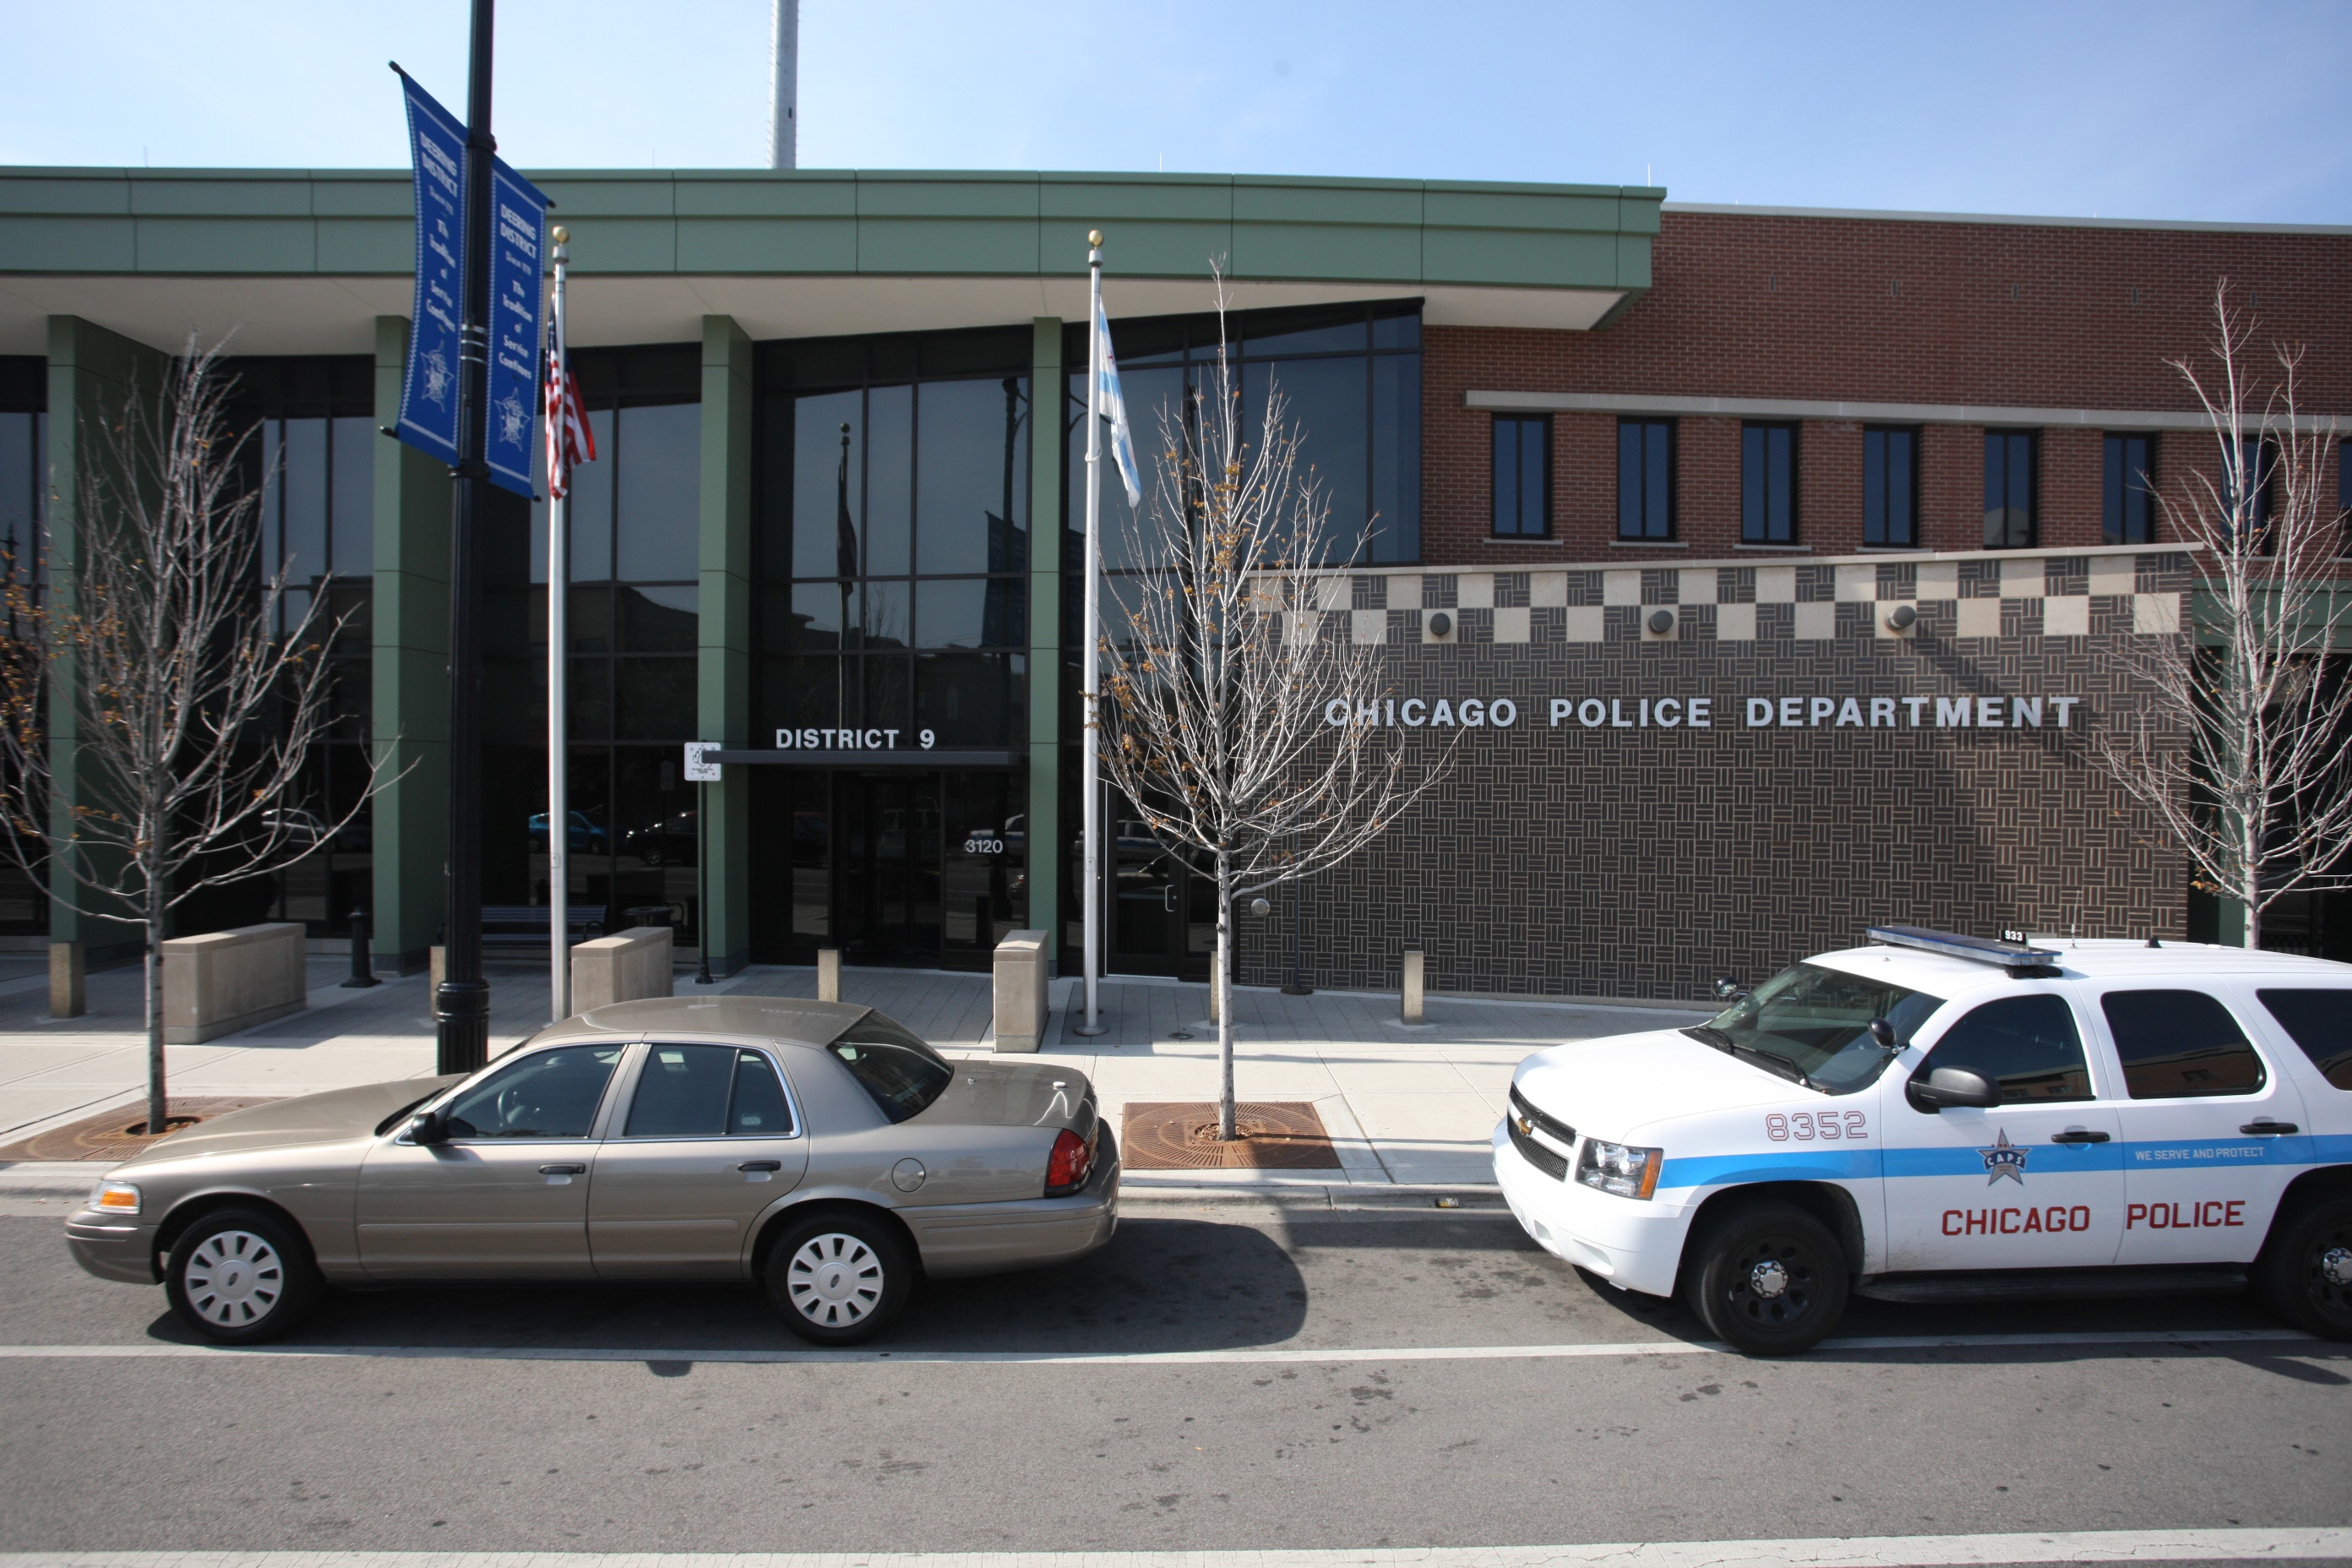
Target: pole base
[
  {"x": 1299, "y": 991},
  {"x": 1089, "y": 1032}
]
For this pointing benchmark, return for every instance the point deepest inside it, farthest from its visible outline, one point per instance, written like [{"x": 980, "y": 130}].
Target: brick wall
[{"x": 1878, "y": 310}]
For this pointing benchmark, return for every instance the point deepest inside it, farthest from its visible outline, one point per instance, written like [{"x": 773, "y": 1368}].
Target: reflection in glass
[
  {"x": 660, "y": 489},
  {"x": 970, "y": 612},
  {"x": 813, "y": 615},
  {"x": 889, "y": 480},
  {"x": 591, "y": 505},
  {"x": 654, "y": 698},
  {"x": 888, "y": 620},
  {"x": 886, "y": 693},
  {"x": 659, "y": 619},
  {"x": 304, "y": 483},
  {"x": 972, "y": 484},
  {"x": 970, "y": 699},
  {"x": 828, "y": 483},
  {"x": 1325, "y": 410}
]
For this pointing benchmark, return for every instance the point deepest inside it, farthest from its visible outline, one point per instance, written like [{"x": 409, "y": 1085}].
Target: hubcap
[
  {"x": 1772, "y": 1283},
  {"x": 835, "y": 1280},
  {"x": 2336, "y": 1266},
  {"x": 1769, "y": 1279},
  {"x": 234, "y": 1278}
]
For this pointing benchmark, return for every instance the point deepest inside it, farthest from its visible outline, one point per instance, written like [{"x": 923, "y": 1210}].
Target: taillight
[{"x": 1067, "y": 1167}]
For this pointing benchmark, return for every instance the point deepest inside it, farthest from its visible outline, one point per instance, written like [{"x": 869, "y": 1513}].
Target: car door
[
  {"x": 710, "y": 1138},
  {"x": 506, "y": 1197},
  {"x": 2212, "y": 1132},
  {"x": 2035, "y": 1182}
]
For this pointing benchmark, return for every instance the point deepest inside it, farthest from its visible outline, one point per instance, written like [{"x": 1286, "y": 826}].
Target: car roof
[
  {"x": 2089, "y": 958},
  {"x": 788, "y": 1020}
]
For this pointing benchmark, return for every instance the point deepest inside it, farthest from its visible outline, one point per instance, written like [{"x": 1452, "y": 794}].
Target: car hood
[
  {"x": 1616, "y": 1087},
  {"x": 327, "y": 1118},
  {"x": 1016, "y": 1094}
]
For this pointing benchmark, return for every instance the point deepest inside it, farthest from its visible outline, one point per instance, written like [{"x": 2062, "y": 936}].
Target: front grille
[
  {"x": 1554, "y": 1128},
  {"x": 1550, "y": 1161}
]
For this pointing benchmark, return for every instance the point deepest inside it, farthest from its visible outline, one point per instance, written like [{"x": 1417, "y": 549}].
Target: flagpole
[
  {"x": 559, "y": 644},
  {"x": 1089, "y": 765}
]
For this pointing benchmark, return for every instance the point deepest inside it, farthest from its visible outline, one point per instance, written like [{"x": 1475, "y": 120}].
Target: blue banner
[
  {"x": 428, "y": 393},
  {"x": 518, "y": 300}
]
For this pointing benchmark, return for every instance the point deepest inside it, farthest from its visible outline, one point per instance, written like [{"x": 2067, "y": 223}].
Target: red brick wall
[{"x": 1883, "y": 311}]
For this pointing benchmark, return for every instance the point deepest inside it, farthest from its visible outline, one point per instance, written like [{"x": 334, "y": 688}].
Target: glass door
[
  {"x": 1161, "y": 913},
  {"x": 888, "y": 891}
]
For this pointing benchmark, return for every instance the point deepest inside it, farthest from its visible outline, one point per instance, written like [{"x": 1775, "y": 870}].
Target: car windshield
[
  {"x": 902, "y": 1074},
  {"x": 1812, "y": 1024}
]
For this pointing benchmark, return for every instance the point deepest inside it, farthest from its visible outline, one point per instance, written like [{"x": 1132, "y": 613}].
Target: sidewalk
[{"x": 1405, "y": 1105}]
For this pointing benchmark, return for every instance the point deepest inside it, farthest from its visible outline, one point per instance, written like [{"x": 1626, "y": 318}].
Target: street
[{"x": 1329, "y": 1393}]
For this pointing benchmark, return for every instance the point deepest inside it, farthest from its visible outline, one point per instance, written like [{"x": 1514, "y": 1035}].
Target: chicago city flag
[{"x": 1114, "y": 408}]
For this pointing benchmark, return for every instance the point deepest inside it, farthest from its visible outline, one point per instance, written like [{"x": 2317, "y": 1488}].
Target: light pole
[{"x": 461, "y": 1007}]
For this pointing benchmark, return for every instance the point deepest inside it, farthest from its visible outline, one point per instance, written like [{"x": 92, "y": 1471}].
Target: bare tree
[
  {"x": 2258, "y": 798},
  {"x": 192, "y": 716},
  {"x": 1240, "y": 720}
]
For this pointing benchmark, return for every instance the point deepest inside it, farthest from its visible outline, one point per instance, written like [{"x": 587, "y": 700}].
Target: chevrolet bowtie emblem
[{"x": 1523, "y": 1124}]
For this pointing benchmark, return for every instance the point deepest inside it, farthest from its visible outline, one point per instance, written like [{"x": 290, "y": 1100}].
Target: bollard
[
  {"x": 1414, "y": 991},
  {"x": 69, "y": 980},
  {"x": 363, "y": 972},
  {"x": 828, "y": 974}
]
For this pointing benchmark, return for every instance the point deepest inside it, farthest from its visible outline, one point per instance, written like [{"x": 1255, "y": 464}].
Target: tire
[
  {"x": 839, "y": 1278},
  {"x": 1767, "y": 1279},
  {"x": 2305, "y": 1275},
  {"x": 238, "y": 1277}
]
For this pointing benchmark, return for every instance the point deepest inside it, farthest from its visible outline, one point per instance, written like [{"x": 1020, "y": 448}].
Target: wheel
[
  {"x": 238, "y": 1277},
  {"x": 839, "y": 1278},
  {"x": 1767, "y": 1279},
  {"x": 2305, "y": 1275}
]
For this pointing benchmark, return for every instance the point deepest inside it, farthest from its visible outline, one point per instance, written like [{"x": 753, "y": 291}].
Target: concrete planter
[{"x": 224, "y": 981}]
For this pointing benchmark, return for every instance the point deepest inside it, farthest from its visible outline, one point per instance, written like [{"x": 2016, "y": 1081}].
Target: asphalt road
[{"x": 654, "y": 1447}]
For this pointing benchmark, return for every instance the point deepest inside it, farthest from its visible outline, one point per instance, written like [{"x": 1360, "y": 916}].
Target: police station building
[{"x": 1774, "y": 569}]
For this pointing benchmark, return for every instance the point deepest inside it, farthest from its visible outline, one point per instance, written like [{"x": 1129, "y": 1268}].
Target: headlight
[
  {"x": 114, "y": 1197},
  {"x": 1620, "y": 1168}
]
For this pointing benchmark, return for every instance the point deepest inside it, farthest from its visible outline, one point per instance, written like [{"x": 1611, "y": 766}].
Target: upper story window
[
  {"x": 1522, "y": 476},
  {"x": 2128, "y": 490},
  {"x": 313, "y": 456},
  {"x": 1890, "y": 486},
  {"x": 1349, "y": 376},
  {"x": 1645, "y": 479},
  {"x": 2009, "y": 489},
  {"x": 1767, "y": 484},
  {"x": 2251, "y": 472}
]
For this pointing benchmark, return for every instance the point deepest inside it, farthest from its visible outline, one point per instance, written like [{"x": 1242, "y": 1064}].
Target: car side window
[
  {"x": 2321, "y": 1023},
  {"x": 2179, "y": 1045},
  {"x": 548, "y": 1094},
  {"x": 708, "y": 1091},
  {"x": 2026, "y": 1047}
]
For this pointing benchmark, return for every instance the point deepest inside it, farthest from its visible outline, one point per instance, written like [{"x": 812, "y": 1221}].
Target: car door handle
[
  {"x": 562, "y": 1169},
  {"x": 2269, "y": 1129},
  {"x": 760, "y": 1165},
  {"x": 2078, "y": 1136}
]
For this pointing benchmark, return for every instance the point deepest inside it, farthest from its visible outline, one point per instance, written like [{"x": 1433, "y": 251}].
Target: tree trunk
[
  {"x": 158, "y": 1105},
  {"x": 1224, "y": 984}
]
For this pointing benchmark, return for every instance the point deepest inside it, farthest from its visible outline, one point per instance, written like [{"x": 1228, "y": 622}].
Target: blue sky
[{"x": 2156, "y": 109}]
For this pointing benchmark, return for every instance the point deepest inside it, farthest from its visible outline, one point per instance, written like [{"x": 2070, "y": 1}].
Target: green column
[
  {"x": 723, "y": 702},
  {"x": 1044, "y": 838},
  {"x": 410, "y": 617},
  {"x": 93, "y": 373}
]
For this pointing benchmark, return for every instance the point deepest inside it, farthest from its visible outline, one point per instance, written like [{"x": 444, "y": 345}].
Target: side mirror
[
  {"x": 429, "y": 1127},
  {"x": 1882, "y": 1034},
  {"x": 1727, "y": 989},
  {"x": 1947, "y": 1087}
]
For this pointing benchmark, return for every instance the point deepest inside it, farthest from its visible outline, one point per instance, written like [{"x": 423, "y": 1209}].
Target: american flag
[{"x": 568, "y": 439}]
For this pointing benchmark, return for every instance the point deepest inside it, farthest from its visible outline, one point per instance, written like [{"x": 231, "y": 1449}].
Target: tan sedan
[{"x": 820, "y": 1149}]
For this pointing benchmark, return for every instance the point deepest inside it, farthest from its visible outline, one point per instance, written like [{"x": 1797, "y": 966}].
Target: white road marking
[
  {"x": 1828, "y": 1552},
  {"x": 1237, "y": 1357}
]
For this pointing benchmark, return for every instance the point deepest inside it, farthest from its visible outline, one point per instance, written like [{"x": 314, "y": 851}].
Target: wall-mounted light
[
  {"x": 1441, "y": 625},
  {"x": 1903, "y": 617},
  {"x": 1259, "y": 906},
  {"x": 1661, "y": 622}
]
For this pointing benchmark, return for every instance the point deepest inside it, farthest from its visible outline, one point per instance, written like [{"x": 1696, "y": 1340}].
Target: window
[
  {"x": 903, "y": 1075},
  {"x": 2321, "y": 1023},
  {"x": 1767, "y": 484},
  {"x": 2027, "y": 1046},
  {"x": 708, "y": 1091},
  {"x": 1522, "y": 476},
  {"x": 1645, "y": 479},
  {"x": 1890, "y": 486},
  {"x": 2128, "y": 489},
  {"x": 23, "y": 531},
  {"x": 550, "y": 1094},
  {"x": 2009, "y": 489},
  {"x": 2179, "y": 1045},
  {"x": 2250, "y": 475}
]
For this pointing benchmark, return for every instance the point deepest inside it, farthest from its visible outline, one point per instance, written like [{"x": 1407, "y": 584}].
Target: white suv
[{"x": 1939, "y": 1117}]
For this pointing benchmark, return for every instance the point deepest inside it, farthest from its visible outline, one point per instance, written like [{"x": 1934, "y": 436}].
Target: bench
[{"x": 511, "y": 925}]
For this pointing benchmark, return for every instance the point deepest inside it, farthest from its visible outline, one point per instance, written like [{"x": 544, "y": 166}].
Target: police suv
[{"x": 1938, "y": 1117}]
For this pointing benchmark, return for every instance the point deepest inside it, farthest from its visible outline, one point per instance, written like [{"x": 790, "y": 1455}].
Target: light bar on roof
[{"x": 1976, "y": 949}]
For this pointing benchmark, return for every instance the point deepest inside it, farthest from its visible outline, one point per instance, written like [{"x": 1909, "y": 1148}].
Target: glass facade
[
  {"x": 24, "y": 523},
  {"x": 1890, "y": 486}
]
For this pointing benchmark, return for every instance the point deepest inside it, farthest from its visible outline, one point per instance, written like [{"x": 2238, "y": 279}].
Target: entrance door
[
  {"x": 1162, "y": 914},
  {"x": 888, "y": 887}
]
